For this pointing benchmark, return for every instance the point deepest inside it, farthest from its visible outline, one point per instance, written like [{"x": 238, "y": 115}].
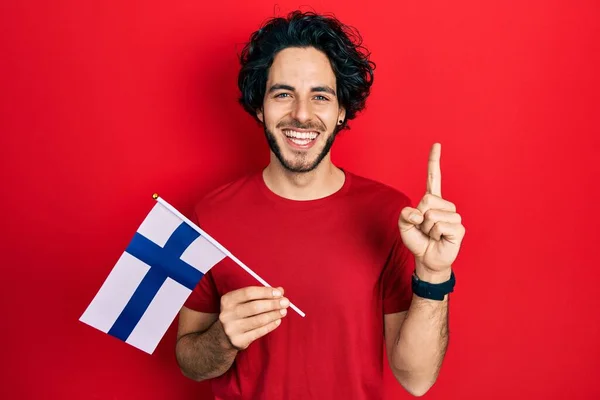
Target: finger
[
  {"x": 409, "y": 218},
  {"x": 453, "y": 233},
  {"x": 250, "y": 293},
  {"x": 260, "y": 306},
  {"x": 430, "y": 201},
  {"x": 256, "y": 321},
  {"x": 434, "y": 173},
  {"x": 434, "y": 216},
  {"x": 257, "y": 333}
]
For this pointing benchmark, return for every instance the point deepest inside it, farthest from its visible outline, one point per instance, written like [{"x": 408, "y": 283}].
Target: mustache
[{"x": 294, "y": 123}]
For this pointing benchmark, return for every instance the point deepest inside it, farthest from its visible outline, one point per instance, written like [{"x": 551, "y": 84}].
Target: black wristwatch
[{"x": 433, "y": 291}]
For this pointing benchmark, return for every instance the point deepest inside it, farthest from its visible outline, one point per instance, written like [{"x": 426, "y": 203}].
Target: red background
[{"x": 104, "y": 103}]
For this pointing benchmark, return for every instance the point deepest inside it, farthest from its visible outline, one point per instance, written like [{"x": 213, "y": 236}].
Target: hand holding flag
[{"x": 250, "y": 313}]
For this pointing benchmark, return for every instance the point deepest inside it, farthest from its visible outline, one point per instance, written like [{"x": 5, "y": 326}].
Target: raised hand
[
  {"x": 433, "y": 231},
  {"x": 250, "y": 313}
]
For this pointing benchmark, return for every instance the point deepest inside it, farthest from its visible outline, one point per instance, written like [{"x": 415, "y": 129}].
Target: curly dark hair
[{"x": 341, "y": 43}]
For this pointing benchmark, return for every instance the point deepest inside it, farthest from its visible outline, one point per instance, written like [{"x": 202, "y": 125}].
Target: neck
[{"x": 321, "y": 182}]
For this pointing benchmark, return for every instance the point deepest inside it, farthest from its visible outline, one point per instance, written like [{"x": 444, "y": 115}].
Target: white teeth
[
  {"x": 300, "y": 135},
  {"x": 301, "y": 142}
]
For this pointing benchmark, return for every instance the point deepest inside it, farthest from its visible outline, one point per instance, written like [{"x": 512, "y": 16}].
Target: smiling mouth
[{"x": 300, "y": 138}]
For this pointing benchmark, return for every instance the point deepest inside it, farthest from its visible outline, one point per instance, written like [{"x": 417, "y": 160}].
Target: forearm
[
  {"x": 205, "y": 355},
  {"x": 422, "y": 341}
]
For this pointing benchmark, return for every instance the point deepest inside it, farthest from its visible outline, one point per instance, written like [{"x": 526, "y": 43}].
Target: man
[{"x": 343, "y": 248}]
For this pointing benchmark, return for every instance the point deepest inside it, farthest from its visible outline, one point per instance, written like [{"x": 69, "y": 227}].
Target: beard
[{"x": 301, "y": 163}]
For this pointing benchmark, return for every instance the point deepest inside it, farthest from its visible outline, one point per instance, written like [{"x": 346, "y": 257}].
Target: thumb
[{"x": 409, "y": 218}]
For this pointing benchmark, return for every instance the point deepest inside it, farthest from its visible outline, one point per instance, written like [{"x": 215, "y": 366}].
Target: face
[{"x": 300, "y": 111}]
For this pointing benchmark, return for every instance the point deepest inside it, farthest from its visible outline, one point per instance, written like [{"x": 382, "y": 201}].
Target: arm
[
  {"x": 202, "y": 349},
  {"x": 433, "y": 232},
  {"x": 416, "y": 341}
]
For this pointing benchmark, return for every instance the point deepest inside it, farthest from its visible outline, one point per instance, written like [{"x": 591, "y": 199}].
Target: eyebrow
[{"x": 281, "y": 86}]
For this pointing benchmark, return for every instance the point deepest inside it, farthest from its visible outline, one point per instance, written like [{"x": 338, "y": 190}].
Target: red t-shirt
[{"x": 340, "y": 259}]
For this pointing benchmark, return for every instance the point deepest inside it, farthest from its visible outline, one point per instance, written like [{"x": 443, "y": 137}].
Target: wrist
[
  {"x": 427, "y": 275},
  {"x": 434, "y": 285},
  {"x": 223, "y": 340}
]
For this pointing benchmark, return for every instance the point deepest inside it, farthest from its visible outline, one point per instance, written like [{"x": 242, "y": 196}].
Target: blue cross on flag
[{"x": 152, "y": 279}]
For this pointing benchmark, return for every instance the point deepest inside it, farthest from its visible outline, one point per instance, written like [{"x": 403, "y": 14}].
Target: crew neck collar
[{"x": 302, "y": 204}]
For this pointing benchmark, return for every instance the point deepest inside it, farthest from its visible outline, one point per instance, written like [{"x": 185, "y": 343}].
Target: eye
[
  {"x": 281, "y": 95},
  {"x": 321, "y": 98}
]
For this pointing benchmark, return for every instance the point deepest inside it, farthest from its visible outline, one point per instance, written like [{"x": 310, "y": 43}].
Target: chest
[{"x": 333, "y": 259}]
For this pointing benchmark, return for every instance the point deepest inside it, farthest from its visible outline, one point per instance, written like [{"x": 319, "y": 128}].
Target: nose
[{"x": 302, "y": 110}]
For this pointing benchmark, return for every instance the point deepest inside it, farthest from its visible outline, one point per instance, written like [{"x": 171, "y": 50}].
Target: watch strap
[{"x": 433, "y": 291}]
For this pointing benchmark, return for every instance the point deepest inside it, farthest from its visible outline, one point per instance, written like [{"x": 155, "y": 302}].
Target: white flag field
[{"x": 154, "y": 276}]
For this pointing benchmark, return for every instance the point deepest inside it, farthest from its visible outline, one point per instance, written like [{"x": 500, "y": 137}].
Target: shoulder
[
  {"x": 232, "y": 188},
  {"x": 377, "y": 193},
  {"x": 378, "y": 207},
  {"x": 231, "y": 195}
]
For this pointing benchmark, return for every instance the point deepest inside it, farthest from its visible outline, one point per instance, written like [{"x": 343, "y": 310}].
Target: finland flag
[{"x": 153, "y": 278}]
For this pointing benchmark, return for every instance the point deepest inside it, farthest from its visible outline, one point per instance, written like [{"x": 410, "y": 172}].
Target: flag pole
[{"x": 169, "y": 207}]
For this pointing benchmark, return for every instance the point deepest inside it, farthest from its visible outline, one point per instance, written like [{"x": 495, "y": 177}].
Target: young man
[{"x": 365, "y": 267}]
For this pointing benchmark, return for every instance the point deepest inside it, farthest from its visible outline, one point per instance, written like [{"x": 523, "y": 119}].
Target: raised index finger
[{"x": 434, "y": 172}]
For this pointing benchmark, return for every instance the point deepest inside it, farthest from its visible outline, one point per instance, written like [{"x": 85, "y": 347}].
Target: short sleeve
[
  {"x": 205, "y": 296},
  {"x": 397, "y": 277}
]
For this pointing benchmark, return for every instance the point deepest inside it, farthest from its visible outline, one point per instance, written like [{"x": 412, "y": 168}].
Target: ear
[
  {"x": 341, "y": 115},
  {"x": 259, "y": 115}
]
